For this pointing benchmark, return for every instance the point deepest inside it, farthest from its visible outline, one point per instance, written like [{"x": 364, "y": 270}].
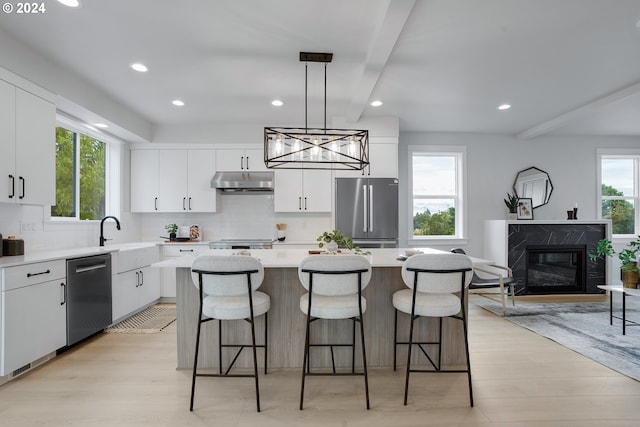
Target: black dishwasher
[{"x": 88, "y": 296}]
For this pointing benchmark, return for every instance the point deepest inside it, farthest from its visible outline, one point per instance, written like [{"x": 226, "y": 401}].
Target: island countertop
[{"x": 291, "y": 258}]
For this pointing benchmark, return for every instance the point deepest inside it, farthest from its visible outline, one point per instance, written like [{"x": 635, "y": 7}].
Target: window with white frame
[
  {"x": 436, "y": 184},
  {"x": 83, "y": 173},
  {"x": 618, "y": 189}
]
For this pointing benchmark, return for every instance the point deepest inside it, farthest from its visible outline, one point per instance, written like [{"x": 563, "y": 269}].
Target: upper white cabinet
[
  {"x": 302, "y": 190},
  {"x": 27, "y": 146},
  {"x": 245, "y": 160},
  {"x": 172, "y": 180},
  {"x": 383, "y": 161}
]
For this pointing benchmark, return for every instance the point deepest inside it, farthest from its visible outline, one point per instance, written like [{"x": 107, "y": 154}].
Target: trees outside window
[
  {"x": 81, "y": 164},
  {"x": 436, "y": 192},
  {"x": 619, "y": 192}
]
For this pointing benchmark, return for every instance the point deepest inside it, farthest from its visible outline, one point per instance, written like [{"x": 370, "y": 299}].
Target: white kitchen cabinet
[
  {"x": 34, "y": 313},
  {"x": 136, "y": 285},
  {"x": 172, "y": 180},
  {"x": 145, "y": 169},
  {"x": 298, "y": 190},
  {"x": 168, "y": 275},
  {"x": 27, "y": 148},
  {"x": 244, "y": 160},
  {"x": 383, "y": 163}
]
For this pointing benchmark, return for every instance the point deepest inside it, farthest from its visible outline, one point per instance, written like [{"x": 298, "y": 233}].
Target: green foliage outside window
[
  {"x": 438, "y": 224},
  {"x": 91, "y": 178},
  {"x": 620, "y": 212}
]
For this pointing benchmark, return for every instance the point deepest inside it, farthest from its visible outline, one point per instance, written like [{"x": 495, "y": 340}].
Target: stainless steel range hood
[{"x": 248, "y": 182}]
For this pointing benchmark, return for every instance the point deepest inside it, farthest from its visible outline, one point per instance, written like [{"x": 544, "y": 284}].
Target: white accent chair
[
  {"x": 334, "y": 284},
  {"x": 434, "y": 282},
  {"x": 228, "y": 291}
]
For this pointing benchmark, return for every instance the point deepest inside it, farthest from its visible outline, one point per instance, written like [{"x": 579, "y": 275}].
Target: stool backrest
[
  {"x": 226, "y": 284},
  {"x": 328, "y": 284},
  {"x": 447, "y": 282}
]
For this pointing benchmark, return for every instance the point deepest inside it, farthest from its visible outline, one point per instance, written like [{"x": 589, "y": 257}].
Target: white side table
[{"x": 624, "y": 291}]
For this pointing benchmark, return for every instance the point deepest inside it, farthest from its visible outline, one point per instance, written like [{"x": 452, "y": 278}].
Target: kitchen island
[{"x": 286, "y": 321}]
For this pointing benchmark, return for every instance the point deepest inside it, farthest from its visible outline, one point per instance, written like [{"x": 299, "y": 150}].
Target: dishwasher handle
[{"x": 90, "y": 267}]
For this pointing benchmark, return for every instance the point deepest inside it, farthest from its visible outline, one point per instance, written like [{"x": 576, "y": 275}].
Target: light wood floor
[{"x": 519, "y": 379}]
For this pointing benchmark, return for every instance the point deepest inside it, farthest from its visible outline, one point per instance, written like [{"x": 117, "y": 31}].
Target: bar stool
[
  {"x": 228, "y": 291},
  {"x": 433, "y": 280},
  {"x": 334, "y": 284}
]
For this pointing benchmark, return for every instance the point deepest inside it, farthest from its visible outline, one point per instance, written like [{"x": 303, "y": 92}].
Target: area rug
[
  {"x": 149, "y": 321},
  {"x": 582, "y": 327}
]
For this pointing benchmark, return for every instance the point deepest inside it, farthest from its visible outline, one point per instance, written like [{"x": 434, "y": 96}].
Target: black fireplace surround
[{"x": 553, "y": 258}]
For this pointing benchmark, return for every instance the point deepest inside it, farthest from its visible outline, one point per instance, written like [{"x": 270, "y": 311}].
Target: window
[
  {"x": 83, "y": 172},
  {"x": 436, "y": 188},
  {"x": 618, "y": 188}
]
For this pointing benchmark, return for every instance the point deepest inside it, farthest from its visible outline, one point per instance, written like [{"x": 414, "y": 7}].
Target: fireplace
[
  {"x": 549, "y": 257},
  {"x": 554, "y": 269}
]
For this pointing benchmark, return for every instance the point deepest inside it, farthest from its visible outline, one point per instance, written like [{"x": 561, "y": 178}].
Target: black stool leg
[
  {"x": 255, "y": 361},
  {"x": 395, "y": 337},
  {"x": 195, "y": 363},
  {"x": 305, "y": 362},
  {"x": 364, "y": 362},
  {"x": 220, "y": 345},
  {"x": 466, "y": 345},
  {"x": 266, "y": 324},
  {"x": 406, "y": 383}
]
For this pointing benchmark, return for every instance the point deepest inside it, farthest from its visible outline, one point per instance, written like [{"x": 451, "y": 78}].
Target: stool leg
[
  {"x": 353, "y": 345},
  {"x": 220, "y": 345},
  {"x": 364, "y": 361},
  {"x": 266, "y": 324},
  {"x": 395, "y": 337},
  {"x": 466, "y": 346},
  {"x": 195, "y": 363},
  {"x": 406, "y": 383},
  {"x": 304, "y": 362},
  {"x": 255, "y": 361}
]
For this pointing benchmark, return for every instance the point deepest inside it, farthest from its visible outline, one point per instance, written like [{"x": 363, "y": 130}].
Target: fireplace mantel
[{"x": 505, "y": 242}]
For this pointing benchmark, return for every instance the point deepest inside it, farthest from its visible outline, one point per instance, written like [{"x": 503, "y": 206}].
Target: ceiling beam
[
  {"x": 579, "y": 112},
  {"x": 380, "y": 48}
]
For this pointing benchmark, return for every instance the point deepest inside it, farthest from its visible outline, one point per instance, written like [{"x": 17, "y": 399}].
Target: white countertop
[
  {"x": 56, "y": 254},
  {"x": 291, "y": 258}
]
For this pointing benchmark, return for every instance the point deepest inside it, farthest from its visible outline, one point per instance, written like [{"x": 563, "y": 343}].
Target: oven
[{"x": 241, "y": 244}]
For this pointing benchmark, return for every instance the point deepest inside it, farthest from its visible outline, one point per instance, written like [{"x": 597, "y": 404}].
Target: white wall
[{"x": 493, "y": 162}]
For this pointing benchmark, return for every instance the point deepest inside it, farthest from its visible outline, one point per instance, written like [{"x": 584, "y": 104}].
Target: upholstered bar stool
[
  {"x": 228, "y": 291},
  {"x": 433, "y": 281},
  {"x": 334, "y": 284}
]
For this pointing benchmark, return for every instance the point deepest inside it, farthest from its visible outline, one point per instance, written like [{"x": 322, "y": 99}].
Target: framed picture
[{"x": 525, "y": 209}]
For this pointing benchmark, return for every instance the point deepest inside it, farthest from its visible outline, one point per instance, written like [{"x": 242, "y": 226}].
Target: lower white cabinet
[
  {"x": 168, "y": 275},
  {"x": 136, "y": 285},
  {"x": 33, "y": 313}
]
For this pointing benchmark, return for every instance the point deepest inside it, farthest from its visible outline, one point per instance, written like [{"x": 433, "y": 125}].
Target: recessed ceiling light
[
  {"x": 504, "y": 107},
  {"x": 100, "y": 125},
  {"x": 177, "y": 103},
  {"x": 277, "y": 103},
  {"x": 139, "y": 67},
  {"x": 376, "y": 103},
  {"x": 70, "y": 3}
]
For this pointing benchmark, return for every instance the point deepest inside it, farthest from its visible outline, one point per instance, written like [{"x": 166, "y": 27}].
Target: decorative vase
[
  {"x": 332, "y": 246},
  {"x": 629, "y": 278},
  {"x": 172, "y": 236},
  {"x": 512, "y": 216}
]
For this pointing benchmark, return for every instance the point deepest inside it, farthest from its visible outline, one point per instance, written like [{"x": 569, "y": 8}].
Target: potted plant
[
  {"x": 628, "y": 259},
  {"x": 336, "y": 239},
  {"x": 172, "y": 229},
  {"x": 512, "y": 204}
]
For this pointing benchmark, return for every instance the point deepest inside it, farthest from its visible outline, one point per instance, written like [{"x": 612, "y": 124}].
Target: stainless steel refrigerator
[{"x": 367, "y": 211}]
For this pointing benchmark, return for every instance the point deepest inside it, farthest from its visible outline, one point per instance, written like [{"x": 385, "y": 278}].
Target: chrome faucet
[{"x": 102, "y": 239}]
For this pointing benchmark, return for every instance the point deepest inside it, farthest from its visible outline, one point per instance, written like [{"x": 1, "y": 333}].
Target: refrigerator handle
[
  {"x": 370, "y": 207},
  {"x": 366, "y": 208}
]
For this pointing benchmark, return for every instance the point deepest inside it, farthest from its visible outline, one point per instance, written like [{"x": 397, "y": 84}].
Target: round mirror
[{"x": 534, "y": 184}]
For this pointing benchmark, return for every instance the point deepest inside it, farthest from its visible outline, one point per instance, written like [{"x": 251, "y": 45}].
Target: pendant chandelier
[{"x": 313, "y": 148}]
